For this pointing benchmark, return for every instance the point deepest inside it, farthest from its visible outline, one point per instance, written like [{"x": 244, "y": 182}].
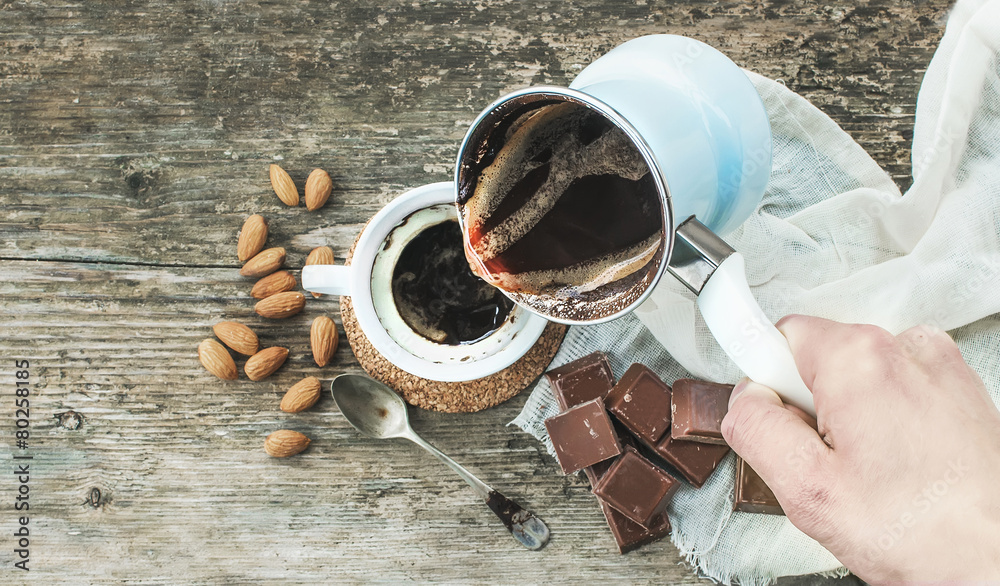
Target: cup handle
[
  {"x": 747, "y": 335},
  {"x": 327, "y": 279}
]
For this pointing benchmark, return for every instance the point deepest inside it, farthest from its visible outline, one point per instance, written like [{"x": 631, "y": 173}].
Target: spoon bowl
[{"x": 371, "y": 407}]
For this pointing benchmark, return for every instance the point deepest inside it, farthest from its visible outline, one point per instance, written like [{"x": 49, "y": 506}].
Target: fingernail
[{"x": 739, "y": 388}]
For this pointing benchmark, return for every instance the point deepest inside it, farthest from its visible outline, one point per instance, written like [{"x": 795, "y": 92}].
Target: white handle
[
  {"x": 328, "y": 279},
  {"x": 748, "y": 336}
]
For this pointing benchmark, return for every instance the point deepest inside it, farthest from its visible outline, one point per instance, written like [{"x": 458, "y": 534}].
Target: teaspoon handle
[
  {"x": 480, "y": 487},
  {"x": 527, "y": 529}
]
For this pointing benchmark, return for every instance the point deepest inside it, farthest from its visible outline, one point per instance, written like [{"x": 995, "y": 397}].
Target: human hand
[{"x": 902, "y": 479}]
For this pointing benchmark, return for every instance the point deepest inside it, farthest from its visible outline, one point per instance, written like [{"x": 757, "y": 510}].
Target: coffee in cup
[{"x": 436, "y": 293}]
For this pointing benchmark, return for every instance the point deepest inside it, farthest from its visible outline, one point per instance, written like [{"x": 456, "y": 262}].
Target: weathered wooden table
[{"x": 134, "y": 139}]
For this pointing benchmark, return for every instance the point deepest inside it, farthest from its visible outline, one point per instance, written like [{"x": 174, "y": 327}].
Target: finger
[
  {"x": 778, "y": 444},
  {"x": 821, "y": 345},
  {"x": 809, "y": 419}
]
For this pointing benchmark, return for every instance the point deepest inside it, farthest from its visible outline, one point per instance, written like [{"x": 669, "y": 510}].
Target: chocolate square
[
  {"x": 581, "y": 380},
  {"x": 636, "y": 487},
  {"x": 641, "y": 401},
  {"x": 752, "y": 495},
  {"x": 694, "y": 461},
  {"x": 596, "y": 472},
  {"x": 583, "y": 436},
  {"x": 696, "y": 410},
  {"x": 630, "y": 535}
]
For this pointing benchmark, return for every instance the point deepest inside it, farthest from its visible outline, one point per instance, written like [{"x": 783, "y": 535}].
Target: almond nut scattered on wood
[
  {"x": 237, "y": 336},
  {"x": 216, "y": 359},
  {"x": 301, "y": 396},
  {"x": 318, "y": 188},
  {"x": 323, "y": 339},
  {"x": 263, "y": 364},
  {"x": 264, "y": 263},
  {"x": 252, "y": 237},
  {"x": 272, "y": 284},
  {"x": 283, "y": 186},
  {"x": 281, "y": 305},
  {"x": 320, "y": 256},
  {"x": 284, "y": 443}
]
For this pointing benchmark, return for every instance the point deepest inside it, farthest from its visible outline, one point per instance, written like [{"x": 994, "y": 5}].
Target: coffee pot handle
[
  {"x": 716, "y": 273},
  {"x": 327, "y": 279},
  {"x": 748, "y": 336}
]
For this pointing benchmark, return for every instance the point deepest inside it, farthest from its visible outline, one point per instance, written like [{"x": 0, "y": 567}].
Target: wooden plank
[{"x": 139, "y": 136}]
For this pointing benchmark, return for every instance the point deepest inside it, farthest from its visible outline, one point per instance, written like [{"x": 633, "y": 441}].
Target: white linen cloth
[{"x": 833, "y": 237}]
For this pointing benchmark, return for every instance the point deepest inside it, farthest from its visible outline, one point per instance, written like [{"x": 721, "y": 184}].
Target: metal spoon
[{"x": 378, "y": 412}]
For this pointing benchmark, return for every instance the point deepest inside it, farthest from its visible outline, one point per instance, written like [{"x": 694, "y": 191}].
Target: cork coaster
[{"x": 460, "y": 397}]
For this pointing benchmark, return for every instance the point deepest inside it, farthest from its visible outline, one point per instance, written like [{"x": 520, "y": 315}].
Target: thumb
[{"x": 782, "y": 448}]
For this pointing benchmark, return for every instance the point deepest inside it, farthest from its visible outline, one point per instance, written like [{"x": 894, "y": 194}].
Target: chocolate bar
[
  {"x": 581, "y": 380},
  {"x": 641, "y": 401},
  {"x": 752, "y": 495},
  {"x": 696, "y": 409},
  {"x": 583, "y": 436},
  {"x": 694, "y": 461},
  {"x": 636, "y": 487}
]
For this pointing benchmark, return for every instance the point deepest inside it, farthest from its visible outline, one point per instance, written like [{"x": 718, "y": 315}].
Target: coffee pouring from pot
[{"x": 697, "y": 123}]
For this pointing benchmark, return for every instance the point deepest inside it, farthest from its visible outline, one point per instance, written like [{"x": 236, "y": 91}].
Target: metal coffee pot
[{"x": 702, "y": 129}]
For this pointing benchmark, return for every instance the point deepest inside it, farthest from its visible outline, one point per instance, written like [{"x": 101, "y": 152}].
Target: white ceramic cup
[{"x": 367, "y": 281}]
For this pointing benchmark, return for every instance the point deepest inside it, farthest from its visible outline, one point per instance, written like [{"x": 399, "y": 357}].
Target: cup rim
[
  {"x": 556, "y": 93},
  {"x": 527, "y": 326}
]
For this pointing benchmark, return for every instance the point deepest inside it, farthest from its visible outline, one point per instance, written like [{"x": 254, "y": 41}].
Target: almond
[
  {"x": 320, "y": 256},
  {"x": 216, "y": 359},
  {"x": 323, "y": 339},
  {"x": 263, "y": 364},
  {"x": 252, "y": 237},
  {"x": 264, "y": 263},
  {"x": 284, "y": 443},
  {"x": 283, "y": 186},
  {"x": 318, "y": 188},
  {"x": 281, "y": 305},
  {"x": 301, "y": 396},
  {"x": 272, "y": 284},
  {"x": 237, "y": 336}
]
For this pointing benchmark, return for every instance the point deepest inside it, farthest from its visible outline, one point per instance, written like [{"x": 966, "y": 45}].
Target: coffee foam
[
  {"x": 592, "y": 274},
  {"x": 571, "y": 304},
  {"x": 560, "y": 128}
]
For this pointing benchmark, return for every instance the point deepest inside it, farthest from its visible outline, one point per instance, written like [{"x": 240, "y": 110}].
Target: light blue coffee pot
[{"x": 703, "y": 131}]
